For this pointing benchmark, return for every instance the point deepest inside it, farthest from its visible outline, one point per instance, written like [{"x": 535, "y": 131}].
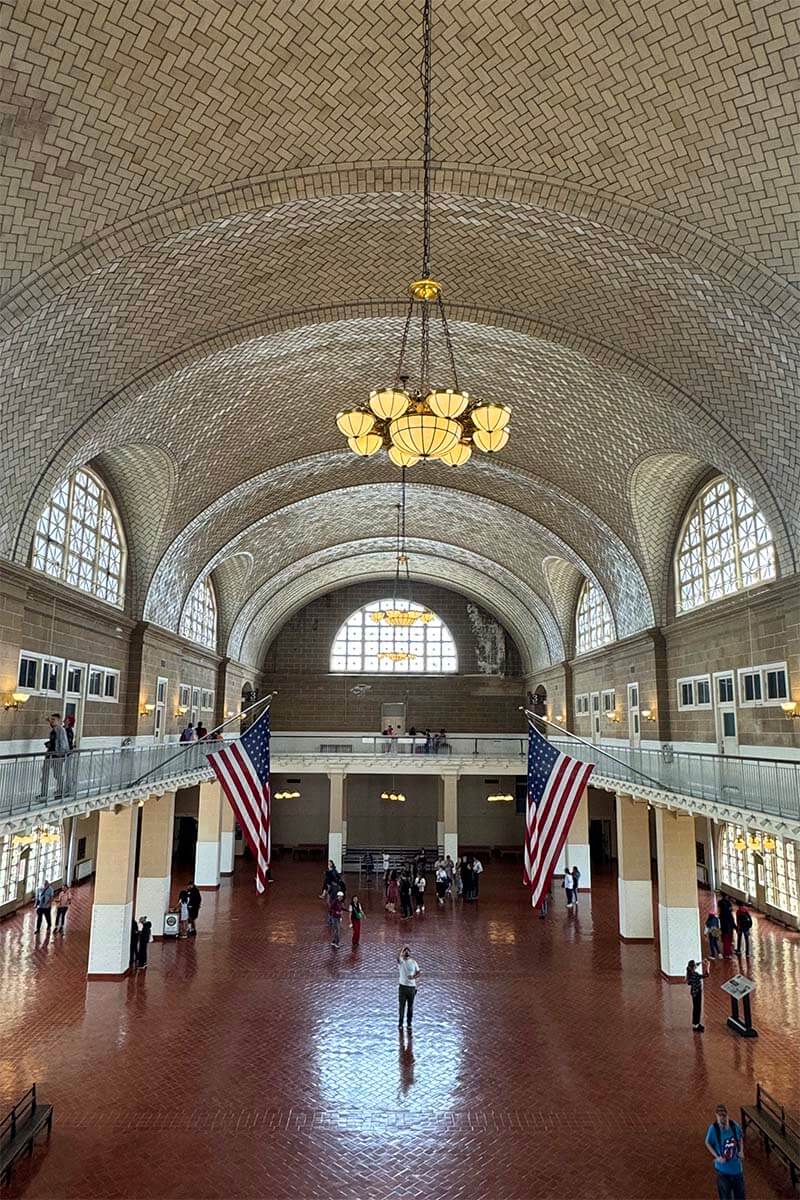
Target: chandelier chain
[
  {"x": 449, "y": 342},
  {"x": 399, "y": 378},
  {"x": 425, "y": 73}
]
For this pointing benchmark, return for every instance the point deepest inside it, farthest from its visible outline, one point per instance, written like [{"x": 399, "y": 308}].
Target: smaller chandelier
[
  {"x": 399, "y": 796},
  {"x": 40, "y": 835},
  {"x": 396, "y": 656},
  {"x": 739, "y": 843}
]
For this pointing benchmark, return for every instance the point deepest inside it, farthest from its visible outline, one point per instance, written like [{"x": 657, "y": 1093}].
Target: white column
[
  {"x": 155, "y": 860},
  {"x": 209, "y": 818},
  {"x": 336, "y": 818},
  {"x": 576, "y": 850},
  {"x": 450, "y": 813},
  {"x": 112, "y": 910},
  {"x": 678, "y": 915},
  {"x": 227, "y": 839},
  {"x": 634, "y": 883},
  {"x": 440, "y": 817}
]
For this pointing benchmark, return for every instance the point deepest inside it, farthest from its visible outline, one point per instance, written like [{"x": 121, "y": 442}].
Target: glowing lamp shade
[
  {"x": 491, "y": 417},
  {"x": 739, "y": 843},
  {"x": 424, "y": 434},
  {"x": 401, "y": 459},
  {"x": 366, "y": 444},
  {"x": 448, "y": 403},
  {"x": 355, "y": 422},
  {"x": 490, "y": 443},
  {"x": 388, "y": 403},
  {"x": 461, "y": 453}
]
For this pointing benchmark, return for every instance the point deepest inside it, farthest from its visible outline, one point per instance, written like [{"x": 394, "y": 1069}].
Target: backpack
[
  {"x": 746, "y": 920},
  {"x": 61, "y": 741}
]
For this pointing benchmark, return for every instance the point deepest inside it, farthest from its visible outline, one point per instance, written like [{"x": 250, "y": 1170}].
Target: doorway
[
  {"x": 634, "y": 717},
  {"x": 75, "y": 696},
  {"x": 394, "y": 715},
  {"x": 161, "y": 708},
  {"x": 725, "y": 715},
  {"x": 595, "y": 711}
]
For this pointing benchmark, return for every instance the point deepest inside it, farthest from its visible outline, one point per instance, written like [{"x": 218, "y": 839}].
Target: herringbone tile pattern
[{"x": 256, "y": 1061}]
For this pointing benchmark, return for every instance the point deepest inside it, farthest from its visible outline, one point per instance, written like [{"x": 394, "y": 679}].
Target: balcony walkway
[{"x": 762, "y": 793}]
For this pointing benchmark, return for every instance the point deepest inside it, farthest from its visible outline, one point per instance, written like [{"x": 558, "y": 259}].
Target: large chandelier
[
  {"x": 401, "y": 614},
  {"x": 423, "y": 420}
]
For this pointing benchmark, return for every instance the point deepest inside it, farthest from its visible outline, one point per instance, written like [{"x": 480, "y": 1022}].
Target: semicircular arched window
[
  {"x": 594, "y": 624},
  {"x": 199, "y": 620},
  {"x": 725, "y": 546},
  {"x": 367, "y": 645},
  {"x": 78, "y": 539}
]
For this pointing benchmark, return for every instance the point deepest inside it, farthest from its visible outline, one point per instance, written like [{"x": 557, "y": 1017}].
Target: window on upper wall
[
  {"x": 362, "y": 644},
  {"x": 694, "y": 692},
  {"x": 78, "y": 539},
  {"x": 594, "y": 625},
  {"x": 199, "y": 620},
  {"x": 726, "y": 546},
  {"x": 767, "y": 685}
]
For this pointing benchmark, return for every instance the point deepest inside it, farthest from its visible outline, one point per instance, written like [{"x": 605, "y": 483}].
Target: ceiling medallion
[{"x": 422, "y": 420}]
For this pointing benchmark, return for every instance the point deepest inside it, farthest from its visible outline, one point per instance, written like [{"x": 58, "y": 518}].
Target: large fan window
[
  {"x": 78, "y": 539},
  {"x": 594, "y": 625},
  {"x": 726, "y": 545},
  {"x": 199, "y": 620},
  {"x": 362, "y": 644}
]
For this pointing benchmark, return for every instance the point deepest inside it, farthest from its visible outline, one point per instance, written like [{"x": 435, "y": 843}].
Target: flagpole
[
  {"x": 265, "y": 700},
  {"x": 533, "y": 717}
]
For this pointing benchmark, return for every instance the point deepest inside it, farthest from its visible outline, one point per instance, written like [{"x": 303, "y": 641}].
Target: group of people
[
  {"x": 334, "y": 892},
  {"x": 570, "y": 882},
  {"x": 43, "y": 899},
  {"x": 59, "y": 745},
  {"x": 433, "y": 743},
  {"x": 189, "y": 900},
  {"x": 723, "y": 924},
  {"x": 199, "y": 733},
  {"x": 141, "y": 936},
  {"x": 405, "y": 888}
]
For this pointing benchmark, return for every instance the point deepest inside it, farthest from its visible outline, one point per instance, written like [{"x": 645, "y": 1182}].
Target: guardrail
[{"x": 500, "y": 745}]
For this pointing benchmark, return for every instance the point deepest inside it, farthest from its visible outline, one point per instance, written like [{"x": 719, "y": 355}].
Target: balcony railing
[{"x": 501, "y": 745}]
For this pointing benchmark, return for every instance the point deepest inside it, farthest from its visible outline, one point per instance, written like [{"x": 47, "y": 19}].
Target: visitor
[
  {"x": 183, "y": 913},
  {"x": 201, "y": 731},
  {"x": 392, "y": 893},
  {"x": 369, "y": 866},
  {"x": 466, "y": 878},
  {"x": 420, "y": 863},
  {"x": 356, "y": 917},
  {"x": 727, "y": 925},
  {"x": 544, "y": 907},
  {"x": 56, "y": 749},
  {"x": 62, "y": 907},
  {"x": 43, "y": 901},
  {"x": 569, "y": 887},
  {"x": 725, "y": 1144},
  {"x": 694, "y": 979},
  {"x": 419, "y": 892},
  {"x": 145, "y": 933},
  {"x": 187, "y": 734},
  {"x": 406, "y": 907},
  {"x": 409, "y": 973},
  {"x": 335, "y": 917},
  {"x": 477, "y": 871},
  {"x": 744, "y": 923},
  {"x": 428, "y": 741},
  {"x": 576, "y": 879},
  {"x": 713, "y": 935},
  {"x": 388, "y": 733},
  {"x": 71, "y": 768},
  {"x": 331, "y": 879},
  {"x": 193, "y": 899},
  {"x": 458, "y": 874},
  {"x": 450, "y": 869},
  {"x": 385, "y": 866},
  {"x": 134, "y": 947},
  {"x": 441, "y": 883}
]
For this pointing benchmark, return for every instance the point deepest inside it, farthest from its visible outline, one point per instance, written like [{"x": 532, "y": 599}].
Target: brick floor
[{"x": 548, "y": 1059}]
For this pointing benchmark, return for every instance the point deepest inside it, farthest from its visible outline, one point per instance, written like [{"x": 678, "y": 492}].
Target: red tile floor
[{"x": 548, "y": 1059}]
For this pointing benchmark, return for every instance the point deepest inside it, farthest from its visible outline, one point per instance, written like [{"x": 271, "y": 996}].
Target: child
[
  {"x": 356, "y": 917},
  {"x": 183, "y": 914}
]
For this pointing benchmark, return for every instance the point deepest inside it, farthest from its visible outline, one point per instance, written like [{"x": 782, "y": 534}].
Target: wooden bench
[
  {"x": 513, "y": 852},
  {"x": 19, "y": 1128},
  {"x": 778, "y": 1131}
]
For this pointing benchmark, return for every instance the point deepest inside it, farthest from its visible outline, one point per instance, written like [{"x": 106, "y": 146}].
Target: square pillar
[
  {"x": 336, "y": 818},
  {"x": 227, "y": 838},
  {"x": 112, "y": 910},
  {"x": 576, "y": 848},
  {"x": 634, "y": 883},
  {"x": 209, "y": 822},
  {"x": 440, "y": 817},
  {"x": 678, "y": 915},
  {"x": 155, "y": 860},
  {"x": 450, "y": 813}
]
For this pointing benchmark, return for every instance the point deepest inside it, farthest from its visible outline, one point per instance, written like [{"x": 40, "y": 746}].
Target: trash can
[{"x": 171, "y": 924}]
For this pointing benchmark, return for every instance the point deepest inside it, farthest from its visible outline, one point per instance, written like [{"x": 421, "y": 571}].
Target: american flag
[
  {"x": 243, "y": 770},
  {"x": 555, "y": 787}
]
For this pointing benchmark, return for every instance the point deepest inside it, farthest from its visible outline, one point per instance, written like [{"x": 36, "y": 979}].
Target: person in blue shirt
[{"x": 725, "y": 1144}]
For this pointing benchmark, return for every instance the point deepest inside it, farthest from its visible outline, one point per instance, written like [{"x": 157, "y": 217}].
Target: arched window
[
  {"x": 199, "y": 620},
  {"x": 78, "y": 538},
  {"x": 594, "y": 625},
  {"x": 363, "y": 644},
  {"x": 726, "y": 545}
]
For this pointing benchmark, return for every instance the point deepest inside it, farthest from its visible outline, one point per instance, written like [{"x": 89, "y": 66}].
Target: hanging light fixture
[
  {"x": 739, "y": 843},
  {"x": 424, "y": 420},
  {"x": 40, "y": 835},
  {"x": 401, "y": 614},
  {"x": 769, "y": 842}
]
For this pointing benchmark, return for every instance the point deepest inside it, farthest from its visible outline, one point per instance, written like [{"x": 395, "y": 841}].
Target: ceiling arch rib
[{"x": 532, "y": 628}]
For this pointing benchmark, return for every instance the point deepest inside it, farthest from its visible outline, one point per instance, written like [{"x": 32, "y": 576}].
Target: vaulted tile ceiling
[{"x": 210, "y": 214}]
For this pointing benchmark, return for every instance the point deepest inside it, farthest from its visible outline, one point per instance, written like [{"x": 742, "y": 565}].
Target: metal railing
[
  {"x": 36, "y": 782},
  {"x": 500, "y": 745}
]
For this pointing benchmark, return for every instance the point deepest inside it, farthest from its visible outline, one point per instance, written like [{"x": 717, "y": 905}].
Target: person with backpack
[
  {"x": 713, "y": 935},
  {"x": 744, "y": 923},
  {"x": 725, "y": 1144},
  {"x": 694, "y": 979}
]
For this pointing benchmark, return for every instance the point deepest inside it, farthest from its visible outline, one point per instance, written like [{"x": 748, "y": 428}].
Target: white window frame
[
  {"x": 719, "y": 675},
  {"x": 104, "y": 672},
  {"x": 29, "y": 656},
  {"x": 47, "y": 661},
  {"x": 206, "y": 700},
  {"x": 74, "y": 666},
  {"x": 184, "y": 695},
  {"x": 604, "y": 700},
  {"x": 692, "y": 681},
  {"x": 764, "y": 701},
  {"x": 582, "y": 705}
]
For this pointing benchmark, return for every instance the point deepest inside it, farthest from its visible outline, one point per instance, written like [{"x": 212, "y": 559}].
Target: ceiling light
[
  {"x": 402, "y": 613},
  {"x": 424, "y": 420}
]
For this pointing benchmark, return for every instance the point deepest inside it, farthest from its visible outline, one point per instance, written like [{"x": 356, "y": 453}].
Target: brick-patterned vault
[{"x": 210, "y": 214}]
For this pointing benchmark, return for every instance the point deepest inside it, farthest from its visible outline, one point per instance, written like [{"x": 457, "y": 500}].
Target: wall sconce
[
  {"x": 181, "y": 710},
  {"x": 614, "y": 716},
  {"x": 16, "y": 700},
  {"x": 146, "y": 710},
  {"x": 789, "y": 709},
  {"x": 647, "y": 714}
]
